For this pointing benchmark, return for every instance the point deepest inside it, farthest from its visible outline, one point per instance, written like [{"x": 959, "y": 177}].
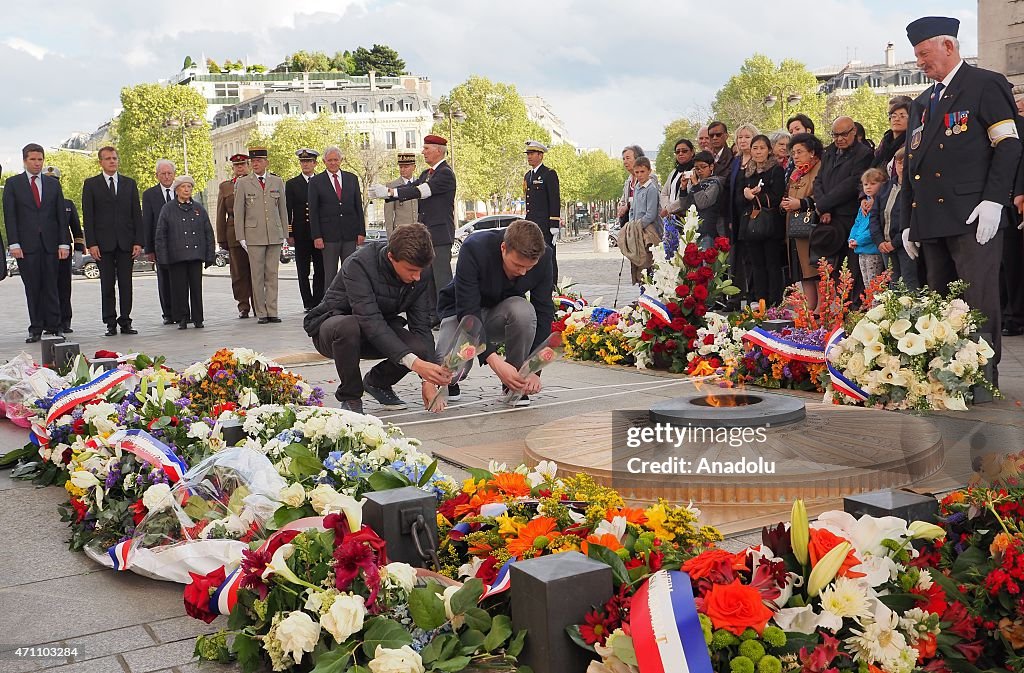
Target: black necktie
[
  {"x": 262, "y": 184},
  {"x": 113, "y": 189},
  {"x": 933, "y": 103},
  {"x": 167, "y": 192}
]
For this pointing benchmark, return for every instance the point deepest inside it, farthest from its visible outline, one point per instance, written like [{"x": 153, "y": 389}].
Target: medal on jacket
[{"x": 915, "y": 137}]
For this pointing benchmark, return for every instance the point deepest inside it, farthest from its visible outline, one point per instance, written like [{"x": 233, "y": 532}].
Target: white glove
[
  {"x": 988, "y": 214},
  {"x": 912, "y": 248},
  {"x": 378, "y": 192},
  {"x": 242, "y": 243}
]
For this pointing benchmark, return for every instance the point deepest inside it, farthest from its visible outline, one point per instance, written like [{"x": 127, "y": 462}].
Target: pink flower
[
  {"x": 467, "y": 352},
  {"x": 546, "y": 355}
]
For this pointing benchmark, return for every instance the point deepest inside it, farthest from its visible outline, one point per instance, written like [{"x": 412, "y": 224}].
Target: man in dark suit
[
  {"x": 38, "y": 236},
  {"x": 435, "y": 189},
  {"x": 153, "y": 200},
  {"x": 336, "y": 219},
  {"x": 64, "y": 265},
  {"x": 718, "y": 138},
  {"x": 963, "y": 153},
  {"x": 543, "y": 198},
  {"x": 113, "y": 231},
  {"x": 296, "y": 192}
]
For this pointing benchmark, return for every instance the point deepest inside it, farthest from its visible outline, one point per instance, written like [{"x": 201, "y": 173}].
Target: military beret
[
  {"x": 239, "y": 158},
  {"x": 258, "y": 153},
  {"x": 928, "y": 27},
  {"x": 306, "y": 154},
  {"x": 52, "y": 170},
  {"x": 534, "y": 146},
  {"x": 434, "y": 140},
  {"x": 406, "y": 158}
]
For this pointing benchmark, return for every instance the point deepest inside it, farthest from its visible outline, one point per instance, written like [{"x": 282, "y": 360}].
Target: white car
[{"x": 479, "y": 224}]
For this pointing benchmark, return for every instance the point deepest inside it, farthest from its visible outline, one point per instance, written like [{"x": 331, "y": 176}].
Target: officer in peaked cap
[
  {"x": 962, "y": 156},
  {"x": 543, "y": 197},
  {"x": 64, "y": 265},
  {"x": 300, "y": 237},
  {"x": 241, "y": 280},
  {"x": 261, "y": 226},
  {"x": 398, "y": 213}
]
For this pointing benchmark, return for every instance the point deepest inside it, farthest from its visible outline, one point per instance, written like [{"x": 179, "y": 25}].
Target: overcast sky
[{"x": 615, "y": 71}]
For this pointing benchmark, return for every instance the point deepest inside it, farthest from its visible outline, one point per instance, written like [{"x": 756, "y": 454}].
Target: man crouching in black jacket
[{"x": 359, "y": 318}]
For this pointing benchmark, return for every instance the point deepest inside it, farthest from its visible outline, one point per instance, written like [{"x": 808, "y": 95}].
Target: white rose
[
  {"x": 373, "y": 435},
  {"x": 298, "y": 633},
  {"x": 157, "y": 497},
  {"x": 447, "y": 597},
  {"x": 856, "y": 364},
  {"x": 865, "y": 332},
  {"x": 199, "y": 430},
  {"x": 293, "y": 496},
  {"x": 405, "y": 660},
  {"x": 899, "y": 328},
  {"x": 402, "y": 574},
  {"x": 920, "y": 388},
  {"x": 875, "y": 314},
  {"x": 957, "y": 368},
  {"x": 912, "y": 344},
  {"x": 345, "y": 617},
  {"x": 944, "y": 332}
]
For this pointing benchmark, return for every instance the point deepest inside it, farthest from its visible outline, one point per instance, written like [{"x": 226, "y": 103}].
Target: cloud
[{"x": 34, "y": 50}]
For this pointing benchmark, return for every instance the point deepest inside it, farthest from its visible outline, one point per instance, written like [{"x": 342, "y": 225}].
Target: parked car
[
  {"x": 613, "y": 233},
  {"x": 223, "y": 257},
  {"x": 463, "y": 232},
  {"x": 12, "y": 266},
  {"x": 87, "y": 266},
  {"x": 375, "y": 235}
]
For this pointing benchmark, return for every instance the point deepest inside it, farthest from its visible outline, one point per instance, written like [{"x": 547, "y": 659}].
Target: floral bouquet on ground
[
  {"x": 458, "y": 356},
  {"x": 541, "y": 357},
  {"x": 324, "y": 597},
  {"x": 596, "y": 334},
  {"x": 719, "y": 346},
  {"x": 911, "y": 350}
]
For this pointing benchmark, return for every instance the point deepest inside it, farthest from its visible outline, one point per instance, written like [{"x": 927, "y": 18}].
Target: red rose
[
  {"x": 710, "y": 255},
  {"x": 197, "y": 594},
  {"x": 670, "y": 345},
  {"x": 78, "y": 427},
  {"x": 689, "y": 331},
  {"x": 673, "y": 308},
  {"x": 700, "y": 292},
  {"x": 689, "y": 303},
  {"x": 657, "y": 347},
  {"x": 692, "y": 260},
  {"x": 709, "y": 339},
  {"x": 677, "y": 324},
  {"x": 682, "y": 290},
  {"x": 691, "y": 249},
  {"x": 705, "y": 273},
  {"x": 736, "y": 607},
  {"x": 692, "y": 276},
  {"x": 722, "y": 243},
  {"x": 645, "y": 336},
  {"x": 699, "y": 310}
]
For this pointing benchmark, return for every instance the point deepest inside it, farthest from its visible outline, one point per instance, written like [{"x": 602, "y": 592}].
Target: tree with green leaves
[
  {"x": 212, "y": 66},
  {"x": 343, "y": 62},
  {"x": 382, "y": 59},
  {"x": 572, "y": 180},
  {"x": 303, "y": 61},
  {"x": 605, "y": 176},
  {"x": 256, "y": 68},
  {"x": 74, "y": 169},
  {"x": 674, "y": 132},
  {"x": 293, "y": 133},
  {"x": 865, "y": 106},
  {"x": 745, "y": 96},
  {"x": 143, "y": 136},
  {"x": 188, "y": 63}
]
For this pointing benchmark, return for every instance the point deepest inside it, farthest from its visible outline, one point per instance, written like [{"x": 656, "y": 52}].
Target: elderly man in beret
[
  {"x": 435, "y": 190},
  {"x": 962, "y": 156}
]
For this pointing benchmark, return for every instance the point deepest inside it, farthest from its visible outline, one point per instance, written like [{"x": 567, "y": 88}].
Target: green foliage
[
  {"x": 426, "y": 609},
  {"x": 143, "y": 138},
  {"x": 292, "y": 133},
  {"x": 674, "y": 131},
  {"x": 305, "y": 61},
  {"x": 382, "y": 59},
  {"x": 256, "y": 68},
  {"x": 74, "y": 169},
  {"x": 212, "y": 65},
  {"x": 188, "y": 63},
  {"x": 387, "y": 633},
  {"x": 605, "y": 176},
  {"x": 572, "y": 180},
  {"x": 343, "y": 62},
  {"x": 865, "y": 106},
  {"x": 741, "y": 99}
]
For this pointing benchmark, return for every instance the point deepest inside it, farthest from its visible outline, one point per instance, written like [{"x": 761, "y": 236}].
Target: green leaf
[
  {"x": 574, "y": 634},
  {"x": 524, "y": 669},
  {"x": 623, "y": 649},
  {"x": 426, "y": 609},
  {"x": 607, "y": 556},
  {"x": 425, "y": 477},
  {"x": 501, "y": 629},
  {"x": 950, "y": 587},
  {"x": 478, "y": 619},
  {"x": 304, "y": 462},
  {"x": 387, "y": 633},
  {"x": 479, "y": 474},
  {"x": 970, "y": 559},
  {"x": 332, "y": 661},
  {"x": 12, "y": 457},
  {"x": 456, "y": 664},
  {"x": 387, "y": 479},
  {"x": 161, "y": 423},
  {"x": 901, "y": 602},
  {"x": 285, "y": 515},
  {"x": 471, "y": 641},
  {"x": 435, "y": 648},
  {"x": 248, "y": 652},
  {"x": 468, "y": 596},
  {"x": 238, "y": 618},
  {"x": 515, "y": 646}
]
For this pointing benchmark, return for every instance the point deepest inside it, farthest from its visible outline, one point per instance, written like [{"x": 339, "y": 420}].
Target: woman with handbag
[
  {"x": 798, "y": 206},
  {"x": 760, "y": 223}
]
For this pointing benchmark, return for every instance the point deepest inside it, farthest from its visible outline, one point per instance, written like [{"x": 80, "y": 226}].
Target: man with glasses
[{"x": 718, "y": 138}]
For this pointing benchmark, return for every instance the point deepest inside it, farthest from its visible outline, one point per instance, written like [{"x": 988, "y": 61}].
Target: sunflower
[{"x": 534, "y": 537}]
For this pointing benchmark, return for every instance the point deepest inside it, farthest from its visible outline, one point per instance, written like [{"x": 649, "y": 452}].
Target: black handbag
[
  {"x": 800, "y": 224},
  {"x": 760, "y": 224}
]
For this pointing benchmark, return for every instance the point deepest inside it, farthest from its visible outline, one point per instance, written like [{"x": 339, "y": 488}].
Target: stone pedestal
[
  {"x": 776, "y": 325},
  {"x": 893, "y": 502},
  {"x": 392, "y": 515},
  {"x": 106, "y": 364},
  {"x": 231, "y": 429},
  {"x": 64, "y": 355},
  {"x": 46, "y": 345},
  {"x": 601, "y": 241}
]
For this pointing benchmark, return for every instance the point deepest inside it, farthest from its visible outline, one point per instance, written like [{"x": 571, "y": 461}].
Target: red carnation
[
  {"x": 699, "y": 310},
  {"x": 197, "y": 594},
  {"x": 709, "y": 339},
  {"x": 691, "y": 344},
  {"x": 670, "y": 345},
  {"x": 673, "y": 308},
  {"x": 710, "y": 255},
  {"x": 700, "y": 292},
  {"x": 692, "y": 276},
  {"x": 691, "y": 249},
  {"x": 689, "y": 331},
  {"x": 705, "y": 273},
  {"x": 488, "y": 570},
  {"x": 682, "y": 290},
  {"x": 657, "y": 347},
  {"x": 677, "y": 324},
  {"x": 722, "y": 243},
  {"x": 689, "y": 303}
]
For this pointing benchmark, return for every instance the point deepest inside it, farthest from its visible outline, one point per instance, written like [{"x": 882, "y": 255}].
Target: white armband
[
  {"x": 1001, "y": 131},
  {"x": 424, "y": 190}
]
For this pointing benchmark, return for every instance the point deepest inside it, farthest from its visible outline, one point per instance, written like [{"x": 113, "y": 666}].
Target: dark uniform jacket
[
  {"x": 41, "y": 228},
  {"x": 296, "y": 193},
  {"x": 838, "y": 183},
  {"x": 75, "y": 225},
  {"x": 183, "y": 234},
  {"x": 331, "y": 219},
  {"x": 369, "y": 289},
  {"x": 437, "y": 211},
  {"x": 153, "y": 200},
  {"x": 112, "y": 223},
  {"x": 543, "y": 199},
  {"x": 946, "y": 177},
  {"x": 480, "y": 282},
  {"x": 226, "y": 215}
]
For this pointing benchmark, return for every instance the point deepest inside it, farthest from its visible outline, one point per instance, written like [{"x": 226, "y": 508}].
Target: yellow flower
[
  {"x": 472, "y": 487},
  {"x": 508, "y": 526},
  {"x": 656, "y": 517}
]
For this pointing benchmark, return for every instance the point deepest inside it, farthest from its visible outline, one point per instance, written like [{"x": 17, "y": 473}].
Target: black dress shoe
[
  {"x": 263, "y": 321},
  {"x": 111, "y": 331},
  {"x": 168, "y": 321},
  {"x": 182, "y": 325},
  {"x": 129, "y": 330},
  {"x": 1012, "y": 329},
  {"x": 200, "y": 325},
  {"x": 68, "y": 330},
  {"x": 32, "y": 338},
  {"x": 274, "y": 319},
  {"x": 243, "y": 315}
]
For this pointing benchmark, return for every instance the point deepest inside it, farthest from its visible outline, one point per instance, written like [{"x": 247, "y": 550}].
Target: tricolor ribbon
[
  {"x": 655, "y": 307},
  {"x": 119, "y": 554},
  {"x": 502, "y": 581},
  {"x": 774, "y": 343},
  {"x": 565, "y": 303},
  {"x": 666, "y": 630},
  {"x": 152, "y": 450},
  {"x": 459, "y": 531},
  {"x": 66, "y": 400},
  {"x": 840, "y": 382}
]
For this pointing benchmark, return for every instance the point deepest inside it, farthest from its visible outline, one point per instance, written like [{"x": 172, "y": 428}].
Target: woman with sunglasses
[{"x": 671, "y": 194}]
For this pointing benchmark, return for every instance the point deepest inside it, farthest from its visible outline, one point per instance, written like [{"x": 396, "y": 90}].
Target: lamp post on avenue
[
  {"x": 451, "y": 111},
  {"x": 185, "y": 120},
  {"x": 791, "y": 99}
]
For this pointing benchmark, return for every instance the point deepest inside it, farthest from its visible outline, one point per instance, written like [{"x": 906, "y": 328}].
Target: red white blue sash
[
  {"x": 153, "y": 451},
  {"x": 666, "y": 630},
  {"x": 773, "y": 342},
  {"x": 655, "y": 307},
  {"x": 119, "y": 554},
  {"x": 565, "y": 303},
  {"x": 502, "y": 582},
  {"x": 840, "y": 382},
  {"x": 66, "y": 400}
]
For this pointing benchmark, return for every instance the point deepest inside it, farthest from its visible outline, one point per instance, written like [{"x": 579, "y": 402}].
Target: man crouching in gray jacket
[{"x": 359, "y": 318}]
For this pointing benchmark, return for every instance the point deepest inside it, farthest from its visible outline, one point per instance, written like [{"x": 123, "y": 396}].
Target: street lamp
[
  {"x": 453, "y": 113},
  {"x": 185, "y": 119},
  {"x": 772, "y": 99}
]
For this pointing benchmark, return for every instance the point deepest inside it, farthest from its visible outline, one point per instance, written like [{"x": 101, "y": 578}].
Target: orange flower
[
  {"x": 476, "y": 502},
  {"x": 605, "y": 540},
  {"x": 533, "y": 537},
  {"x": 700, "y": 566},
  {"x": 926, "y": 646},
  {"x": 510, "y": 483},
  {"x": 632, "y": 515},
  {"x": 480, "y": 549},
  {"x": 821, "y": 542},
  {"x": 736, "y": 607}
]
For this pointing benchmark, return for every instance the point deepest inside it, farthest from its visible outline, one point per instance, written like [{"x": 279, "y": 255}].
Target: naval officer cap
[
  {"x": 535, "y": 146},
  {"x": 52, "y": 170},
  {"x": 928, "y": 27},
  {"x": 306, "y": 154}
]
